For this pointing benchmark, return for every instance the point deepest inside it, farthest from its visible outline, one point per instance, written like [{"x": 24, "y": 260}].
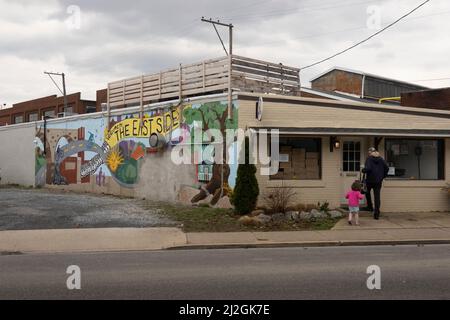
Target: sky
[{"x": 96, "y": 42}]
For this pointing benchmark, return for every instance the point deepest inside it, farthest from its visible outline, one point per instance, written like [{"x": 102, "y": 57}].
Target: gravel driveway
[{"x": 41, "y": 209}]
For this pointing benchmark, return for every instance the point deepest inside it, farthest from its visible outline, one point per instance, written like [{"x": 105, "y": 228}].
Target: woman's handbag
[{"x": 362, "y": 180}]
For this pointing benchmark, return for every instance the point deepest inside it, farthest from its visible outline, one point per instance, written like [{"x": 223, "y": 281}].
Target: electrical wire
[{"x": 366, "y": 39}]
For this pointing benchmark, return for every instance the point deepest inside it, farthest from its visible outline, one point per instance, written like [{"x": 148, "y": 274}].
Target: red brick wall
[
  {"x": 435, "y": 99},
  {"x": 338, "y": 80}
]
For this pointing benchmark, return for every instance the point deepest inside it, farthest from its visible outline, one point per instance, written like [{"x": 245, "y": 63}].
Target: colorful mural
[{"x": 114, "y": 152}]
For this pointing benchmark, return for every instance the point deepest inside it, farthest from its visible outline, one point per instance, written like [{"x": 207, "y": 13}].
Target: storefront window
[
  {"x": 299, "y": 159},
  {"x": 418, "y": 159}
]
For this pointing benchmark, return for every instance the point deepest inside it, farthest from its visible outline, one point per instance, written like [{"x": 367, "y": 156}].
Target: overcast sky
[{"x": 117, "y": 39}]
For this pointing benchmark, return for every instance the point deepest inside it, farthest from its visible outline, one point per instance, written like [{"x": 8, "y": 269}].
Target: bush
[
  {"x": 246, "y": 191},
  {"x": 325, "y": 206},
  {"x": 279, "y": 199}
]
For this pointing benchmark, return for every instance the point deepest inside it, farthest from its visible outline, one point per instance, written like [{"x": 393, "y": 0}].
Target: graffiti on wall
[{"x": 92, "y": 151}]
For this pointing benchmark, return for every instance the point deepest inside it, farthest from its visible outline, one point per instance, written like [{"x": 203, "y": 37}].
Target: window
[
  {"x": 18, "y": 119},
  {"x": 68, "y": 110},
  {"x": 49, "y": 113},
  {"x": 351, "y": 154},
  {"x": 299, "y": 159},
  {"x": 419, "y": 159},
  {"x": 33, "y": 117}
]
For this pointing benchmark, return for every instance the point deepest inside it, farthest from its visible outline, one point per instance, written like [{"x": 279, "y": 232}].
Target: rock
[
  {"x": 278, "y": 217},
  {"x": 304, "y": 215},
  {"x": 255, "y": 213},
  {"x": 249, "y": 221},
  {"x": 335, "y": 214},
  {"x": 224, "y": 203},
  {"x": 292, "y": 215},
  {"x": 318, "y": 214},
  {"x": 263, "y": 218},
  {"x": 207, "y": 200},
  {"x": 186, "y": 193}
]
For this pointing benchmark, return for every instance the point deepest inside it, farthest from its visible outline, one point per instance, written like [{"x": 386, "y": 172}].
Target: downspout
[{"x": 362, "y": 85}]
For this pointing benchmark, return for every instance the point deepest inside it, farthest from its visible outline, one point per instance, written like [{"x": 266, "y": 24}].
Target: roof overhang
[{"x": 358, "y": 132}]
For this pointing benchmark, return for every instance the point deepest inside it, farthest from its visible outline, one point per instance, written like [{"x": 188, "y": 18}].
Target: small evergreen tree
[{"x": 246, "y": 191}]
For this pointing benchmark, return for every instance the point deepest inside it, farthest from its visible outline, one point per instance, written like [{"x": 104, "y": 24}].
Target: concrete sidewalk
[
  {"x": 134, "y": 239},
  {"x": 89, "y": 240}
]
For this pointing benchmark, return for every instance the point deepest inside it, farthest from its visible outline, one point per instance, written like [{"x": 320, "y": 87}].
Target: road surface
[{"x": 407, "y": 272}]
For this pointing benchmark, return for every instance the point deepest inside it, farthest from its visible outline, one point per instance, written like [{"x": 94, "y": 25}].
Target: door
[{"x": 352, "y": 158}]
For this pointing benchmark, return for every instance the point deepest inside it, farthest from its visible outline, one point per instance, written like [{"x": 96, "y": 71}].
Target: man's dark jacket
[{"x": 376, "y": 169}]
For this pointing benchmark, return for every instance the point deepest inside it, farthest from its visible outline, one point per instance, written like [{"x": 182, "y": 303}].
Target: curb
[{"x": 310, "y": 244}]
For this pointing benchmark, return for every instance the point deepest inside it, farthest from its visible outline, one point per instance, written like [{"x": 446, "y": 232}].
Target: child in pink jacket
[{"x": 353, "y": 197}]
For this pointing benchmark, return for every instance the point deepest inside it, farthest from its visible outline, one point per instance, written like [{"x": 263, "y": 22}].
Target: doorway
[{"x": 352, "y": 158}]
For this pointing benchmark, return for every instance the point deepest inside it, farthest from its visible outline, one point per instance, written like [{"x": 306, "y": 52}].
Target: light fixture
[{"x": 334, "y": 143}]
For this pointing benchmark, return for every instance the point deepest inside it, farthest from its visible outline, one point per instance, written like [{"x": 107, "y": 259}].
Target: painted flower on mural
[
  {"x": 126, "y": 171},
  {"x": 114, "y": 159}
]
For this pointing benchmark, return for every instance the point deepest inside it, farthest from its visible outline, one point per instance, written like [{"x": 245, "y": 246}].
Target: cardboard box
[
  {"x": 285, "y": 149},
  {"x": 299, "y": 152},
  {"x": 285, "y": 165},
  {"x": 297, "y": 158},
  {"x": 312, "y": 155},
  {"x": 311, "y": 163}
]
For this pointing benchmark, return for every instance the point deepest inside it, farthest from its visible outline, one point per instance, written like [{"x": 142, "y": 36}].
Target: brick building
[
  {"x": 52, "y": 106},
  {"x": 433, "y": 99},
  {"x": 360, "y": 84}
]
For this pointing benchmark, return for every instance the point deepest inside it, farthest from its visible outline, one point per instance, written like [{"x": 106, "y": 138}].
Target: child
[{"x": 353, "y": 197}]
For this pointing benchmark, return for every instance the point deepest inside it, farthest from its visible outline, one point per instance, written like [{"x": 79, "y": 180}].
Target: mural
[{"x": 113, "y": 153}]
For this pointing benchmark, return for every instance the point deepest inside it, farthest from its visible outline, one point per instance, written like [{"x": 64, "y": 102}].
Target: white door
[{"x": 352, "y": 158}]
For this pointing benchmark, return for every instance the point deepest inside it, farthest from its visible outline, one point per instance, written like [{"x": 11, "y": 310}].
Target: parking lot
[{"x": 22, "y": 209}]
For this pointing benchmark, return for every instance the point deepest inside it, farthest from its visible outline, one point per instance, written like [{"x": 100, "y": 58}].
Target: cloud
[{"x": 118, "y": 39}]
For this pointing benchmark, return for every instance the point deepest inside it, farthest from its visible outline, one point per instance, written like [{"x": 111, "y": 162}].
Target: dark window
[
  {"x": 18, "y": 119},
  {"x": 33, "y": 117},
  {"x": 417, "y": 159},
  {"x": 300, "y": 159}
]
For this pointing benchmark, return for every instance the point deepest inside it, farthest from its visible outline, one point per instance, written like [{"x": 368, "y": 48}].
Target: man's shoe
[{"x": 350, "y": 223}]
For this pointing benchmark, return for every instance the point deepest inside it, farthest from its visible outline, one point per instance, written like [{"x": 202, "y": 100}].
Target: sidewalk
[{"x": 135, "y": 239}]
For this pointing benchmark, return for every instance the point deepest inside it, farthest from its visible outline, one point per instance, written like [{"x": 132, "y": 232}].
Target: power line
[
  {"x": 366, "y": 39},
  {"x": 437, "y": 79}
]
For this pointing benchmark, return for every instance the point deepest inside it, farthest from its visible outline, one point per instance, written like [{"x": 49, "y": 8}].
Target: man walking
[{"x": 376, "y": 170}]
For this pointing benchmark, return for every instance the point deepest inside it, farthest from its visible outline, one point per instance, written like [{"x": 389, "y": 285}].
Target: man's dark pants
[{"x": 376, "y": 192}]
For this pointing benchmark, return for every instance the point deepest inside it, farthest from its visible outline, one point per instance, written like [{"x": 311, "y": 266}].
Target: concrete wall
[{"x": 17, "y": 160}]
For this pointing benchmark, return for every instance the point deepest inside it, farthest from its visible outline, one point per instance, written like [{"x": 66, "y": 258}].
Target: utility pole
[
  {"x": 230, "y": 93},
  {"x": 229, "y": 54},
  {"x": 63, "y": 91}
]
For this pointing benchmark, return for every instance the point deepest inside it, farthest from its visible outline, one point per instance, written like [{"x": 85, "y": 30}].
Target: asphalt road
[
  {"x": 40, "y": 209},
  {"x": 407, "y": 272}
]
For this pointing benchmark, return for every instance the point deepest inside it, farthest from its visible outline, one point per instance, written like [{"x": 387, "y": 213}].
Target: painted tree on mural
[{"x": 213, "y": 115}]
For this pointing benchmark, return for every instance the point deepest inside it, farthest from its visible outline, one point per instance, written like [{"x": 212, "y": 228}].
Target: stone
[
  {"x": 207, "y": 200},
  {"x": 224, "y": 203},
  {"x": 255, "y": 213},
  {"x": 318, "y": 214},
  {"x": 304, "y": 215},
  {"x": 335, "y": 214},
  {"x": 292, "y": 215},
  {"x": 186, "y": 193},
  {"x": 249, "y": 221},
  {"x": 278, "y": 217},
  {"x": 263, "y": 218}
]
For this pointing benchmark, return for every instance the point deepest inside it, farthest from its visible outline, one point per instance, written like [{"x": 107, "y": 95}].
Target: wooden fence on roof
[{"x": 207, "y": 77}]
